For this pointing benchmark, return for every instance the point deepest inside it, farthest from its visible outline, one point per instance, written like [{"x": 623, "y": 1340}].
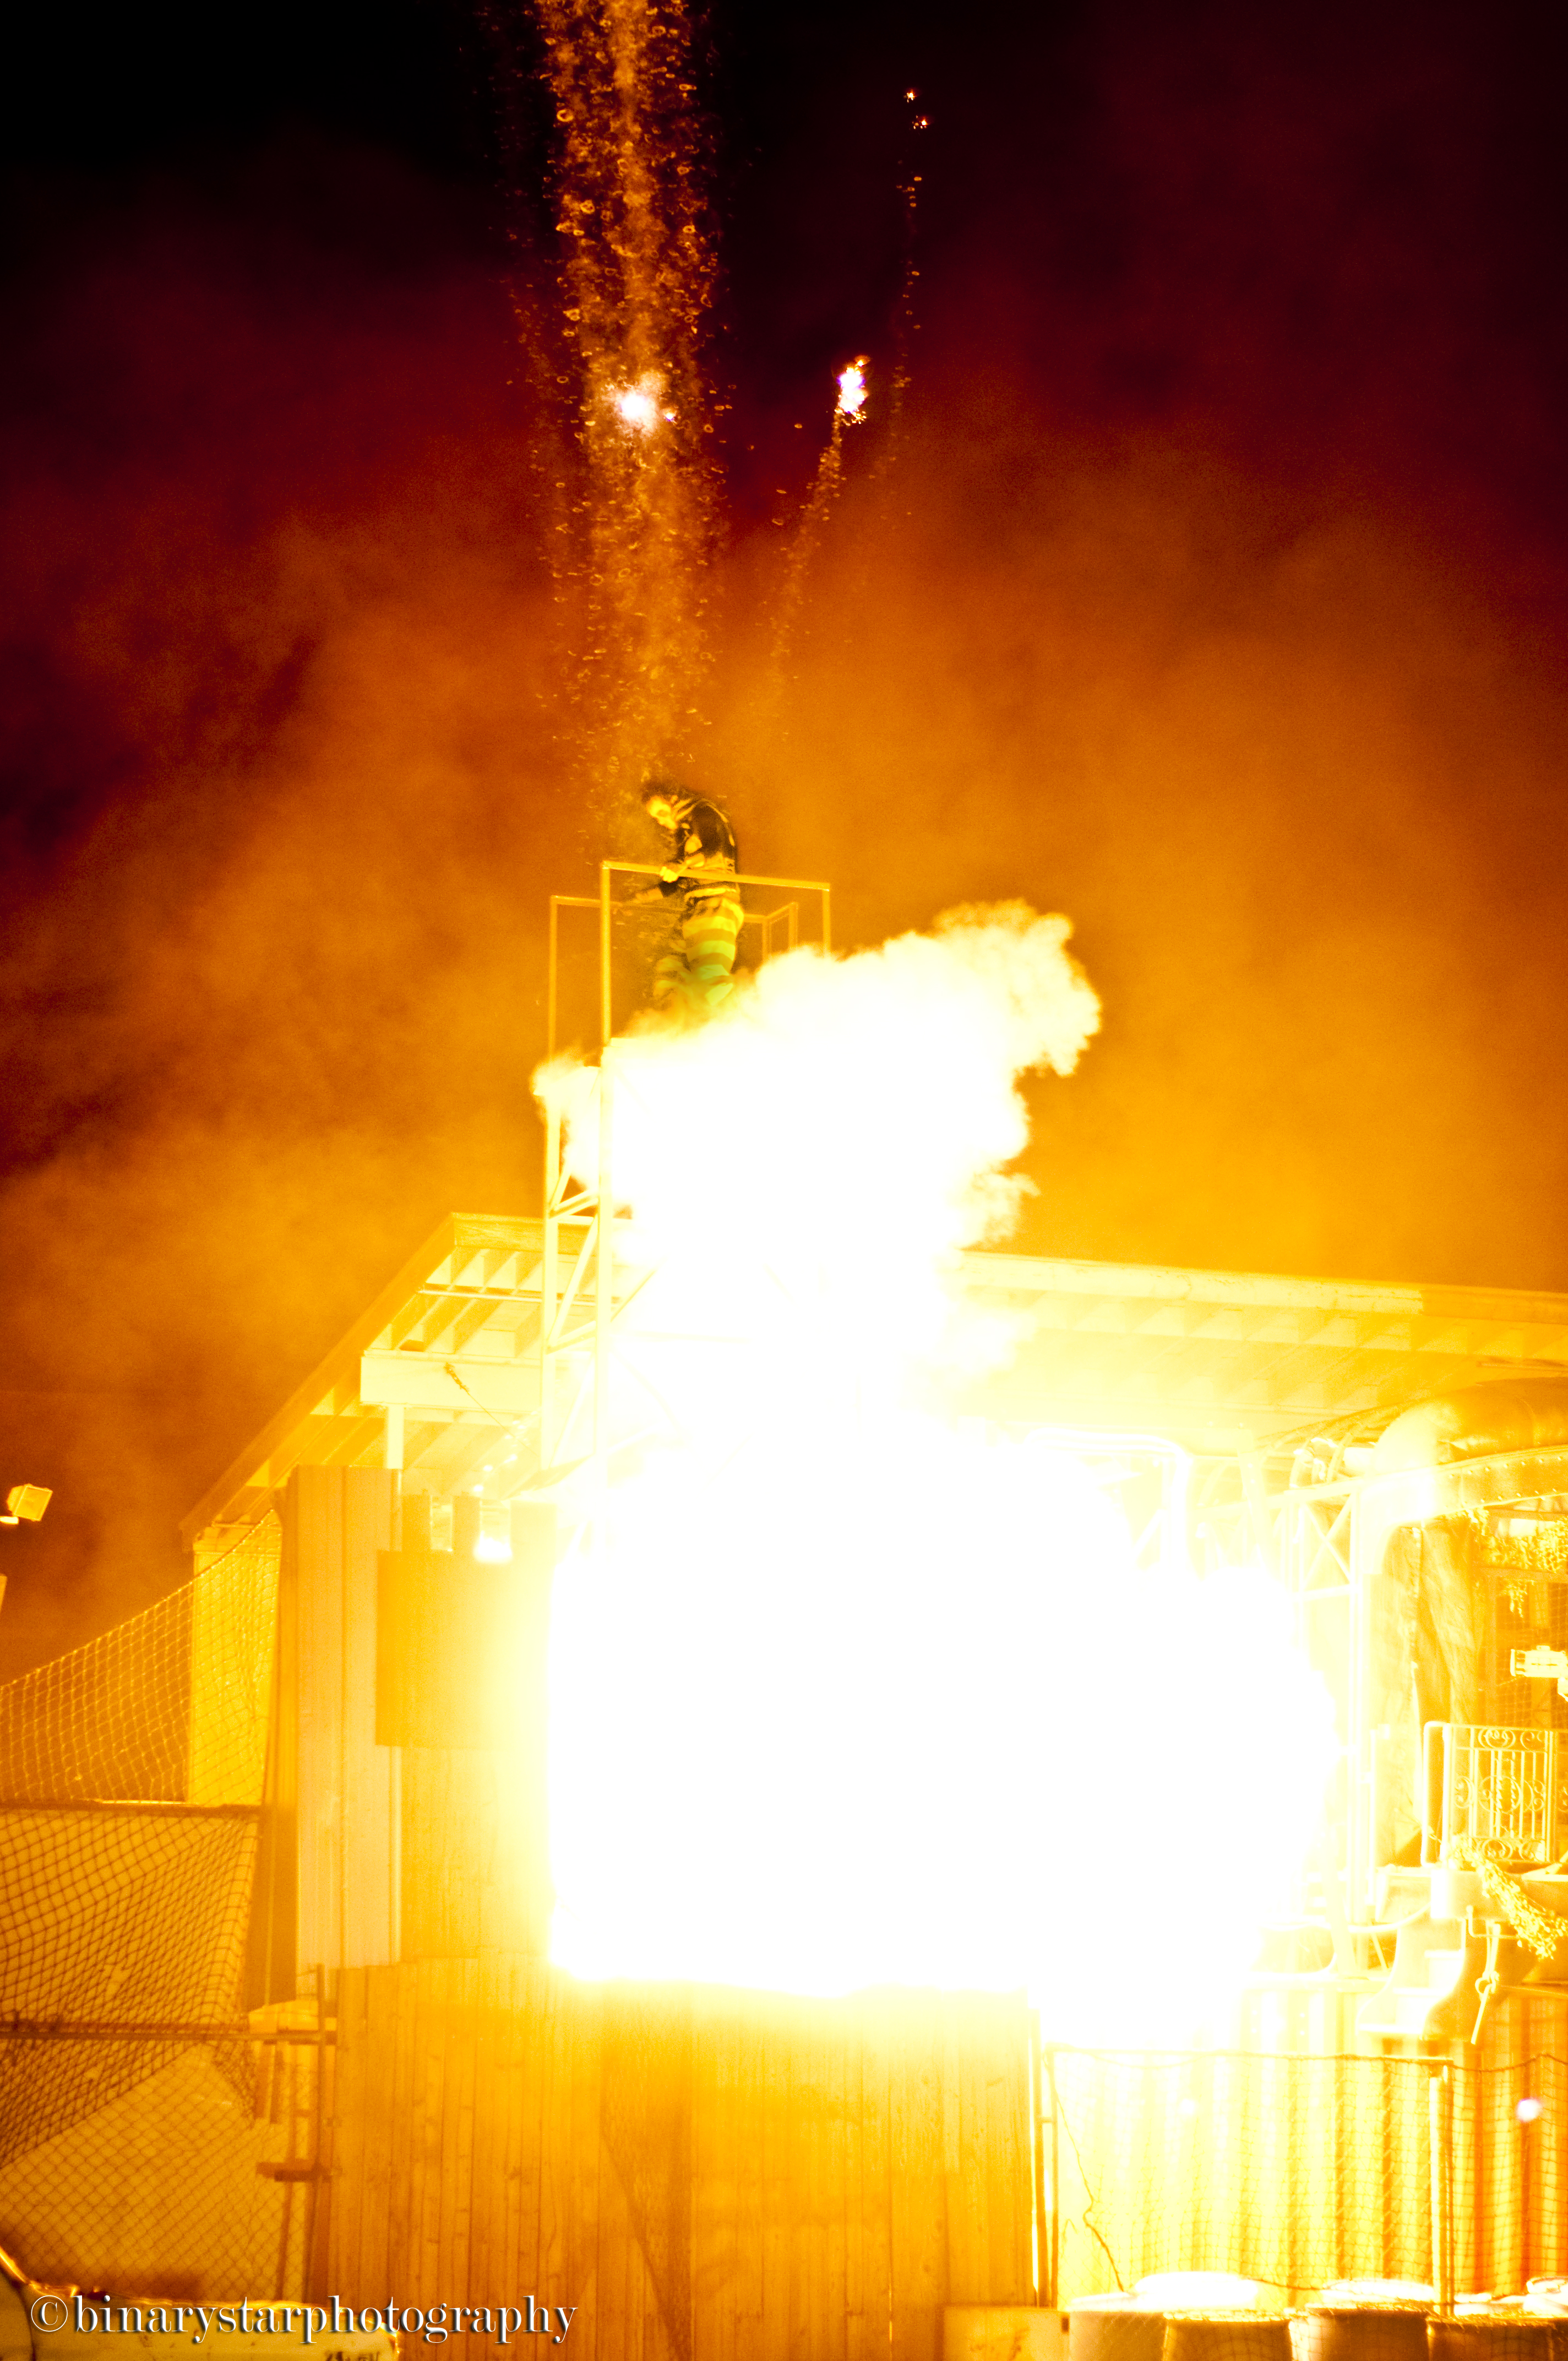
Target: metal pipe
[
  {"x": 604, "y": 1011},
  {"x": 1359, "y": 1837},
  {"x": 603, "y": 1280},
  {"x": 1050, "y": 2059},
  {"x": 549, "y": 1276},
  {"x": 308, "y": 2277},
  {"x": 1038, "y": 2162},
  {"x": 1440, "y": 2130},
  {"x": 716, "y": 876},
  {"x": 550, "y": 989}
]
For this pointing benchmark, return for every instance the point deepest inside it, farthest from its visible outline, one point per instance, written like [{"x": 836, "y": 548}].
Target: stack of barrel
[{"x": 1180, "y": 2319}]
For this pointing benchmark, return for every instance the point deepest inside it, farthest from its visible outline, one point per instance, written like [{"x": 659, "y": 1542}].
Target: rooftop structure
[{"x": 442, "y": 1371}]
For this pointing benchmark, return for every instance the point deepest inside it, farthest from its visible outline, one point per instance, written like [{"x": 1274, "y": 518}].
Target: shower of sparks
[
  {"x": 637, "y": 268},
  {"x": 853, "y": 390}
]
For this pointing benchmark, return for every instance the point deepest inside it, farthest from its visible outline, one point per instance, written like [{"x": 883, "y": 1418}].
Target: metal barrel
[
  {"x": 1360, "y": 2332},
  {"x": 1494, "y": 2336},
  {"x": 1113, "y": 2328},
  {"x": 1226, "y": 2336}
]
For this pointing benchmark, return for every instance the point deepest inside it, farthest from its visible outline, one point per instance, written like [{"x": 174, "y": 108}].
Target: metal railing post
[
  {"x": 604, "y": 1280},
  {"x": 606, "y": 1027},
  {"x": 1440, "y": 2127},
  {"x": 550, "y": 1285},
  {"x": 596, "y": 1203}
]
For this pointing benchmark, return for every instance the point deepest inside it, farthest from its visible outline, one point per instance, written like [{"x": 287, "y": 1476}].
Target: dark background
[{"x": 1213, "y": 591}]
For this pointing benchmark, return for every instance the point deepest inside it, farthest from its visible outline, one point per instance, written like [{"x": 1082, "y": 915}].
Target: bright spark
[
  {"x": 853, "y": 390},
  {"x": 638, "y": 406}
]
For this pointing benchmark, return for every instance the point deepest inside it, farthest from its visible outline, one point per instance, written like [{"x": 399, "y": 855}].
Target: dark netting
[
  {"x": 172, "y": 2186},
  {"x": 131, "y": 1776},
  {"x": 111, "y": 1719},
  {"x": 125, "y": 1925},
  {"x": 170, "y": 1705},
  {"x": 1302, "y": 2173},
  {"x": 645, "y": 2119}
]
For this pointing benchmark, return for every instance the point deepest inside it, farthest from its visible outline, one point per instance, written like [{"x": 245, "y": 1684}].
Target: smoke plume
[
  {"x": 836, "y": 1134},
  {"x": 847, "y": 1688}
]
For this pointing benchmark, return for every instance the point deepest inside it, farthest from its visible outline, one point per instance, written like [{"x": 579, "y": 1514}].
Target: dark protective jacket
[{"x": 703, "y": 843}]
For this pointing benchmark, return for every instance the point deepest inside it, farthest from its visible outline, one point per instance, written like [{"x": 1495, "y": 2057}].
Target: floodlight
[{"x": 26, "y": 1501}]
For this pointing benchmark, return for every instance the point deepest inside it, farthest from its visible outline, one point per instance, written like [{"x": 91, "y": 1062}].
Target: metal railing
[
  {"x": 586, "y": 1208},
  {"x": 1487, "y": 1782}
]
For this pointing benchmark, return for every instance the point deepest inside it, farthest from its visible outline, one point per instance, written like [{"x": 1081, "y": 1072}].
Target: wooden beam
[
  {"x": 419, "y": 1380},
  {"x": 239, "y": 1476}
]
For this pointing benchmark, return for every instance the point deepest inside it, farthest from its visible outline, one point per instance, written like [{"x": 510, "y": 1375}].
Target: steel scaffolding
[{"x": 580, "y": 1220}]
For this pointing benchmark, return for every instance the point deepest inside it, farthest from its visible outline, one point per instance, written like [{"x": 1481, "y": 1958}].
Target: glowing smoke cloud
[
  {"x": 816, "y": 1152},
  {"x": 848, "y": 1692}
]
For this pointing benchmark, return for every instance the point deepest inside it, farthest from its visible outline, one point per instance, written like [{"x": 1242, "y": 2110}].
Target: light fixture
[{"x": 25, "y": 1503}]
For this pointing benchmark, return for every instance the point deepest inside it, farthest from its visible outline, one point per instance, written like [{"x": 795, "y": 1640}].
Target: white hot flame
[
  {"x": 848, "y": 1688},
  {"x": 640, "y": 406}
]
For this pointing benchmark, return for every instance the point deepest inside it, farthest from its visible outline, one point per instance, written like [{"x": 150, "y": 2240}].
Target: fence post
[{"x": 1440, "y": 2125}]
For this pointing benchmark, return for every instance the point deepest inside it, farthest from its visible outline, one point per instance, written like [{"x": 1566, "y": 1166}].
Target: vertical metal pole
[
  {"x": 551, "y": 987},
  {"x": 603, "y": 1280},
  {"x": 550, "y": 1275},
  {"x": 1357, "y": 1835},
  {"x": 1527, "y": 2197},
  {"x": 549, "y": 1287},
  {"x": 395, "y": 1864},
  {"x": 1440, "y": 2133},
  {"x": 1055, "y": 2282},
  {"x": 604, "y": 1239},
  {"x": 395, "y": 1754},
  {"x": 308, "y": 2276},
  {"x": 606, "y": 1027},
  {"x": 1038, "y": 2162}
]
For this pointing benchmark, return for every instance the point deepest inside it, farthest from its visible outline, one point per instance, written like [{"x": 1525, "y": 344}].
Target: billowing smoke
[
  {"x": 848, "y": 1688},
  {"x": 807, "y": 1164}
]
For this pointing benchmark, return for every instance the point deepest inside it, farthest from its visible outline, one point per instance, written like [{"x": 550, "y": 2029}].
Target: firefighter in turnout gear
[{"x": 695, "y": 971}]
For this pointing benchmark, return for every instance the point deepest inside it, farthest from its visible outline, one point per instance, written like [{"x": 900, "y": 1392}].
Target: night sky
[{"x": 1213, "y": 590}]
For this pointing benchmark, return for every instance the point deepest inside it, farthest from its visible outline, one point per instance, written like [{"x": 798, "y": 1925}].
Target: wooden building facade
[{"x": 431, "y": 2113}]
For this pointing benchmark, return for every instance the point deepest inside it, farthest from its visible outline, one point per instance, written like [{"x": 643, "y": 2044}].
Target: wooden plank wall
[{"x": 792, "y": 2180}]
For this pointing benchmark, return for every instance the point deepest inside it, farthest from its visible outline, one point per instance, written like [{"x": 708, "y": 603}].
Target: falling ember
[
  {"x": 852, "y": 389},
  {"x": 849, "y": 410}
]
